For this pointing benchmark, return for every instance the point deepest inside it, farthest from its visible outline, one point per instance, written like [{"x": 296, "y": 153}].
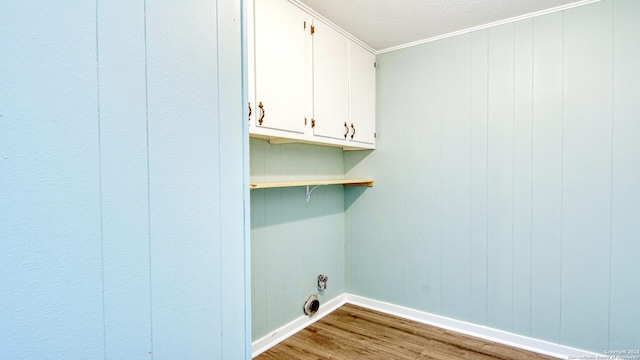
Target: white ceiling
[{"x": 384, "y": 24}]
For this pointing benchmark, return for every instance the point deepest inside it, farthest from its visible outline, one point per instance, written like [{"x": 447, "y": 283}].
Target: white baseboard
[
  {"x": 266, "y": 342},
  {"x": 518, "y": 341},
  {"x": 479, "y": 331}
]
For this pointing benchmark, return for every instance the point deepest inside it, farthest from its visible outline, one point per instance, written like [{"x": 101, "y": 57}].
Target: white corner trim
[
  {"x": 266, "y": 342},
  {"x": 479, "y": 331},
  {"x": 485, "y": 26},
  {"x": 483, "y": 332}
]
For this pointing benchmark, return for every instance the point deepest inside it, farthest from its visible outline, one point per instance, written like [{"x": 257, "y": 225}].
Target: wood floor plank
[
  {"x": 478, "y": 345},
  {"x": 309, "y": 346},
  {"x": 374, "y": 333},
  {"x": 439, "y": 350},
  {"x": 389, "y": 349},
  {"x": 352, "y": 333}
]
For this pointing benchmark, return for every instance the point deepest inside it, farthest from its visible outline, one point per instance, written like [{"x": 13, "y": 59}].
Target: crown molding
[{"x": 489, "y": 25}]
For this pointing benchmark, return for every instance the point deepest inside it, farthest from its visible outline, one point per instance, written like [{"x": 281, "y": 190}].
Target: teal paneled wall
[
  {"x": 121, "y": 181},
  {"x": 624, "y": 314},
  {"x": 546, "y": 177},
  {"x": 293, "y": 241},
  {"x": 587, "y": 156},
  {"x": 51, "y": 301},
  {"x": 123, "y": 143},
  {"x": 507, "y": 182}
]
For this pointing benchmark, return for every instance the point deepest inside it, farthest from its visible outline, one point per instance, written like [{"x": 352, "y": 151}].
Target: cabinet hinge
[
  {"x": 375, "y": 135},
  {"x": 313, "y": 29},
  {"x": 375, "y": 64},
  {"x": 305, "y": 25},
  {"x": 313, "y": 123},
  {"x": 305, "y": 121}
]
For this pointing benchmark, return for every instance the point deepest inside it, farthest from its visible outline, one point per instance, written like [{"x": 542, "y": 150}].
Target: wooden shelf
[{"x": 345, "y": 182}]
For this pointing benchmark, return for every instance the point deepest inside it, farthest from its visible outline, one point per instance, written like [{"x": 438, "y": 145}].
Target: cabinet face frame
[
  {"x": 362, "y": 94},
  {"x": 302, "y": 129},
  {"x": 279, "y": 49},
  {"x": 330, "y": 82}
]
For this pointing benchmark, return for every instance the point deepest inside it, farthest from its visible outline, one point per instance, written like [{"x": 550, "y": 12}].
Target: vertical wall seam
[
  {"x": 220, "y": 216},
  {"x": 513, "y": 169},
  {"x": 427, "y": 210},
  {"x": 613, "y": 78},
  {"x": 246, "y": 207},
  {"x": 101, "y": 197},
  {"x": 470, "y": 174},
  {"x": 533, "y": 47},
  {"x": 403, "y": 182},
  {"x": 562, "y": 176},
  {"x": 486, "y": 203},
  {"x": 319, "y": 196},
  {"x": 264, "y": 284},
  {"x": 440, "y": 163},
  {"x": 150, "y": 242}
]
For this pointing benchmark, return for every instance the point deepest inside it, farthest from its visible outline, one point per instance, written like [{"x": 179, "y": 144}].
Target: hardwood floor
[{"x": 352, "y": 332}]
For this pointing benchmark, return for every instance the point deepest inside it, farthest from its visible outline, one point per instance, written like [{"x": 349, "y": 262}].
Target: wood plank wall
[
  {"x": 121, "y": 180},
  {"x": 507, "y": 182},
  {"x": 292, "y": 240}
]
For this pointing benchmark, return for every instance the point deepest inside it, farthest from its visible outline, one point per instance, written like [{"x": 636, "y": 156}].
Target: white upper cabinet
[
  {"x": 308, "y": 82},
  {"x": 280, "y": 84},
  {"x": 362, "y": 95},
  {"x": 330, "y": 82}
]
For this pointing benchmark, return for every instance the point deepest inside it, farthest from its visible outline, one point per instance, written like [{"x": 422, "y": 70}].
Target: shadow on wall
[
  {"x": 298, "y": 161},
  {"x": 354, "y": 167},
  {"x": 353, "y": 158},
  {"x": 278, "y": 206},
  {"x": 352, "y": 193}
]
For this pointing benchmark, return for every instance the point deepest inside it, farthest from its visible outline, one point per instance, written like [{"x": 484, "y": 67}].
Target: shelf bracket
[{"x": 308, "y": 196}]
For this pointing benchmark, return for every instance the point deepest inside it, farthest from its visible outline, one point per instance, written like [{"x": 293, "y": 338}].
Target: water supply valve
[{"x": 322, "y": 282}]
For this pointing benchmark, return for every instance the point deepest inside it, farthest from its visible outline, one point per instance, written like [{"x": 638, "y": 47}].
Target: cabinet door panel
[
  {"x": 362, "y": 94},
  {"x": 330, "y": 82},
  {"x": 280, "y": 65}
]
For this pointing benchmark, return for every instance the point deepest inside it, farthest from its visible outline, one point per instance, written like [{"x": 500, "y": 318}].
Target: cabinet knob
[
  {"x": 354, "y": 131},
  {"x": 346, "y": 129},
  {"x": 261, "y": 113}
]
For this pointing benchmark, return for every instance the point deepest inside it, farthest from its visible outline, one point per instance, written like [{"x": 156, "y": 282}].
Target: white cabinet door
[
  {"x": 280, "y": 32},
  {"x": 330, "y": 82},
  {"x": 362, "y": 95}
]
